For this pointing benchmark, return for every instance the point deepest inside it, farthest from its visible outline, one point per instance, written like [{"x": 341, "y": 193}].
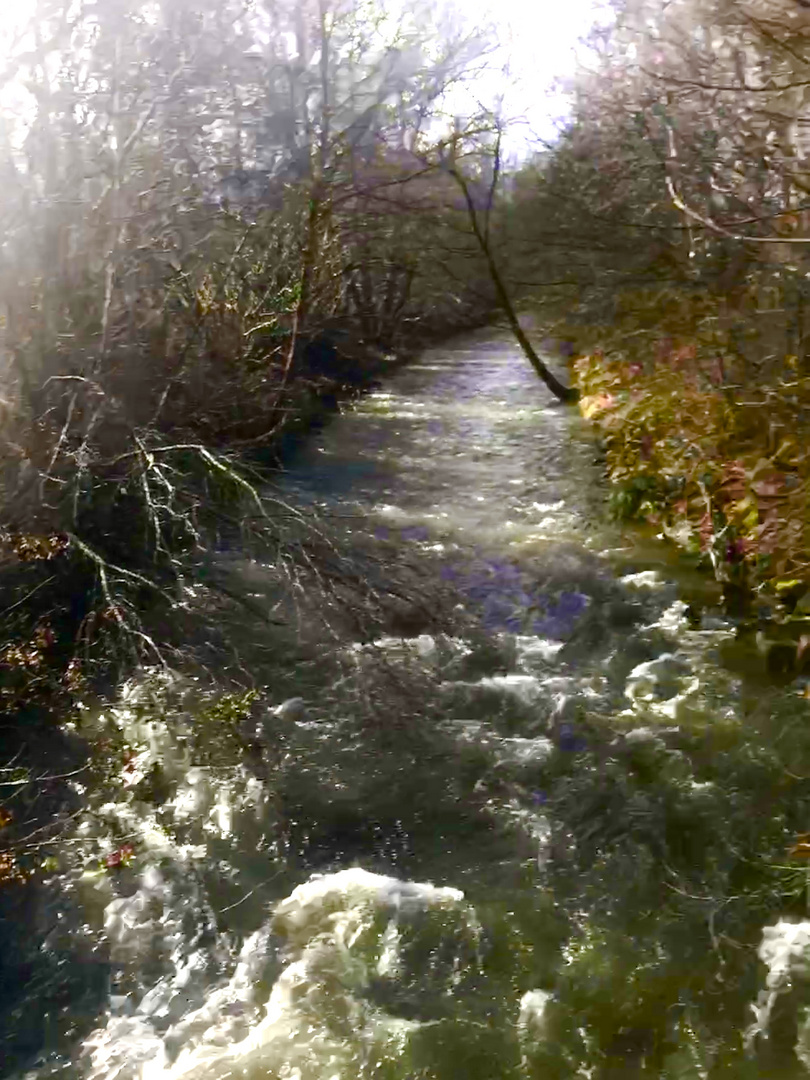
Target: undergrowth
[{"x": 722, "y": 467}]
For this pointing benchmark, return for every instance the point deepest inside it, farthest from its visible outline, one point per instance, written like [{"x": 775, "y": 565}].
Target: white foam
[
  {"x": 530, "y": 648},
  {"x": 645, "y": 579},
  {"x": 785, "y": 951},
  {"x": 518, "y": 751},
  {"x": 662, "y": 686},
  {"x": 339, "y": 932},
  {"x": 527, "y": 688},
  {"x": 533, "y": 1006}
]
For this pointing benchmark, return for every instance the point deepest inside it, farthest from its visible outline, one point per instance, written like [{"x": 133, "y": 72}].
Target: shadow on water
[{"x": 547, "y": 718}]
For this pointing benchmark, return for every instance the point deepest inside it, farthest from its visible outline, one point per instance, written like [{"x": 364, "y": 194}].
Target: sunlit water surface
[{"x": 554, "y": 846}]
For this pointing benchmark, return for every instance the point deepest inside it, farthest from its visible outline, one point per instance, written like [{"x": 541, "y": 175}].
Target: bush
[{"x": 722, "y": 469}]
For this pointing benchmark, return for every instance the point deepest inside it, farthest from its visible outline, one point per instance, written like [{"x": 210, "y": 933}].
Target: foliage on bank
[
  {"x": 666, "y": 233},
  {"x": 218, "y": 221},
  {"x": 722, "y": 468},
  {"x": 213, "y": 229}
]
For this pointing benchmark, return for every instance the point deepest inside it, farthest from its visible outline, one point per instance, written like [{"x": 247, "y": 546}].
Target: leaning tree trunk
[{"x": 564, "y": 393}]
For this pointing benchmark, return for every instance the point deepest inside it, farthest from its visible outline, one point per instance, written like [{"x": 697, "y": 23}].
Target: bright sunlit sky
[
  {"x": 540, "y": 45},
  {"x": 540, "y": 39}
]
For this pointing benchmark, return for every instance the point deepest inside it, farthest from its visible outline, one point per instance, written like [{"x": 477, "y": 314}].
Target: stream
[{"x": 539, "y": 823}]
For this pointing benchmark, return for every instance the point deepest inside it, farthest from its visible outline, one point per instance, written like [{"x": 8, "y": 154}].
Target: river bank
[{"x": 720, "y": 468}]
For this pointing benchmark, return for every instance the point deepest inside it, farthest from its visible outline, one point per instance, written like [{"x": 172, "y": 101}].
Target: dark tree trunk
[{"x": 564, "y": 393}]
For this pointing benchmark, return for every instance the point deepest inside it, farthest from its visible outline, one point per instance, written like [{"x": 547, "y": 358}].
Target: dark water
[{"x": 548, "y": 808}]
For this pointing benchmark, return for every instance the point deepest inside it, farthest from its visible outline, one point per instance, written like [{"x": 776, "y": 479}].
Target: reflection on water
[{"x": 555, "y": 842}]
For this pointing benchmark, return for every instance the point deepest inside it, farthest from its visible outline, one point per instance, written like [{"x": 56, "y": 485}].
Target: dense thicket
[
  {"x": 683, "y": 173},
  {"x": 669, "y": 228},
  {"x": 212, "y": 215}
]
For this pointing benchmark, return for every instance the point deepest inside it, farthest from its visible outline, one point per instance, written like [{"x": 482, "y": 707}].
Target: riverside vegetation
[
  {"x": 673, "y": 216},
  {"x": 217, "y": 220},
  {"x": 402, "y": 657}
]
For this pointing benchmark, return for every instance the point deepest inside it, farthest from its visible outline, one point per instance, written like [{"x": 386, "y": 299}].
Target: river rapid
[{"x": 536, "y": 824}]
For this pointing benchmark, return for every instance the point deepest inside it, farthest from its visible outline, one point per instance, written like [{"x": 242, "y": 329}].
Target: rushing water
[{"x": 538, "y": 827}]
